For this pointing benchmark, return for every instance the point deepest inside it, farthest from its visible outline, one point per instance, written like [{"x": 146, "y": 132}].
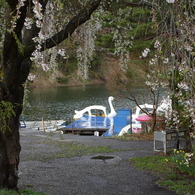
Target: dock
[
  {"x": 82, "y": 131},
  {"x": 98, "y": 125},
  {"x": 89, "y": 125}
]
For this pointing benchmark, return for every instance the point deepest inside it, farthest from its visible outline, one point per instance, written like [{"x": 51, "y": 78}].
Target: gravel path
[{"x": 84, "y": 175}]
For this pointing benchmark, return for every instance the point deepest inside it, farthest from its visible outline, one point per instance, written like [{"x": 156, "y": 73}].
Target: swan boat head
[
  {"x": 112, "y": 110},
  {"x": 99, "y": 110}
]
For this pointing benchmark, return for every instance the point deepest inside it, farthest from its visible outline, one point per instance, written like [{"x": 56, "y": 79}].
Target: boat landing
[{"x": 89, "y": 125}]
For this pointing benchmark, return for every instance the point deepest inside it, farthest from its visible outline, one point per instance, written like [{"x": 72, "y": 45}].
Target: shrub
[
  {"x": 62, "y": 80},
  {"x": 184, "y": 161}
]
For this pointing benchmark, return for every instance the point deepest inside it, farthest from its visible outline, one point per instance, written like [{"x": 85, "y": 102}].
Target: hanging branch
[
  {"x": 68, "y": 29},
  {"x": 141, "y": 3}
]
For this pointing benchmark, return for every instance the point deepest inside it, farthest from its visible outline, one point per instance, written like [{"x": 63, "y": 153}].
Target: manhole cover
[{"x": 100, "y": 157}]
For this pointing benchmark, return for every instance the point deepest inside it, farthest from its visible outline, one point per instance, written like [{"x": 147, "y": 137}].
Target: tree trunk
[
  {"x": 9, "y": 159},
  {"x": 15, "y": 72},
  {"x": 18, "y": 47},
  {"x": 188, "y": 144},
  {"x": 9, "y": 139}
]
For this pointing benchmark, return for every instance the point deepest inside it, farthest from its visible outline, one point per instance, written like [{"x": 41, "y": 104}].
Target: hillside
[
  {"x": 98, "y": 50},
  {"x": 104, "y": 74}
]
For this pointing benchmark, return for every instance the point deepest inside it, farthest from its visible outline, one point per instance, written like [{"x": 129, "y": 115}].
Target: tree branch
[
  {"x": 141, "y": 3},
  {"x": 76, "y": 21}
]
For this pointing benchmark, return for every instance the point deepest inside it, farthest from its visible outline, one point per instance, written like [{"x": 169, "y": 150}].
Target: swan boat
[
  {"x": 95, "y": 119},
  {"x": 136, "y": 125},
  {"x": 92, "y": 117},
  {"x": 96, "y": 110},
  {"x": 164, "y": 108}
]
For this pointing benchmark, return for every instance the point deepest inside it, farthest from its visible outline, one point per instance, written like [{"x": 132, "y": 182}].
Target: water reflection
[{"x": 59, "y": 103}]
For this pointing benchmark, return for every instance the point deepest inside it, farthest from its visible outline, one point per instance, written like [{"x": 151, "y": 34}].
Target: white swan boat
[
  {"x": 136, "y": 125},
  {"x": 96, "y": 110},
  {"x": 99, "y": 110},
  {"x": 92, "y": 118},
  {"x": 163, "y": 108}
]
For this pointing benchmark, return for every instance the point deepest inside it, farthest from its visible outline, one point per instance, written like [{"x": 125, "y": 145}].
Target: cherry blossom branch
[
  {"x": 76, "y": 21},
  {"x": 141, "y": 3}
]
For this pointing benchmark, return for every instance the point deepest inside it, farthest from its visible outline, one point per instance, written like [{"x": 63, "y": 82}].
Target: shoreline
[{"x": 55, "y": 84}]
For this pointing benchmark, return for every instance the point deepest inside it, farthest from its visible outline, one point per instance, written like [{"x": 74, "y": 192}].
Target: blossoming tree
[
  {"x": 171, "y": 62},
  {"x": 174, "y": 59},
  {"x": 24, "y": 39},
  {"x": 169, "y": 58}
]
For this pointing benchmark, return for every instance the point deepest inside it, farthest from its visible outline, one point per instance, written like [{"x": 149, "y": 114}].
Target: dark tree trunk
[
  {"x": 188, "y": 147},
  {"x": 12, "y": 91},
  {"x": 9, "y": 141},
  {"x": 18, "y": 47},
  {"x": 10, "y": 150}
]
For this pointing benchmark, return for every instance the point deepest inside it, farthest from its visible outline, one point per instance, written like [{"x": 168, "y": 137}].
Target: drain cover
[{"x": 100, "y": 157}]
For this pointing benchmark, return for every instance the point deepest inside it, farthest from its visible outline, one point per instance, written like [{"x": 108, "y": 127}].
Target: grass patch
[
  {"x": 50, "y": 149},
  {"x": 135, "y": 137},
  {"x": 20, "y": 192},
  {"x": 66, "y": 149},
  {"x": 168, "y": 173},
  {"x": 76, "y": 149}
]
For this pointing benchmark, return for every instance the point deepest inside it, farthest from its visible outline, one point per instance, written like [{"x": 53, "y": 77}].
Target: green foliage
[
  {"x": 105, "y": 41},
  {"x": 152, "y": 163},
  {"x": 6, "y": 113},
  {"x": 19, "y": 44},
  {"x": 184, "y": 161},
  {"x": 62, "y": 80},
  {"x": 70, "y": 68},
  {"x": 132, "y": 23},
  {"x": 134, "y": 137},
  {"x": 20, "y": 192},
  {"x": 169, "y": 176}
]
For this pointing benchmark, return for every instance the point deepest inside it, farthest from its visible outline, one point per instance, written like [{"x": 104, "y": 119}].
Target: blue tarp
[
  {"x": 119, "y": 121},
  {"x": 114, "y": 125},
  {"x": 91, "y": 122}
]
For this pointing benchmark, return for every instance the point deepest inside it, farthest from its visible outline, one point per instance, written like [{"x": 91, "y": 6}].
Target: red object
[{"x": 144, "y": 118}]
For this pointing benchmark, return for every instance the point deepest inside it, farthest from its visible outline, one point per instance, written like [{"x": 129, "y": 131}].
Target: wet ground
[{"x": 98, "y": 174}]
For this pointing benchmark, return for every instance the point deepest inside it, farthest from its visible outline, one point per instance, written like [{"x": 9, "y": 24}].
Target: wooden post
[{"x": 43, "y": 126}]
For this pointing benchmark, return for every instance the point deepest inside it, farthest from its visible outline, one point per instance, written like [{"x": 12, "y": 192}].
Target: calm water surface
[{"x": 59, "y": 103}]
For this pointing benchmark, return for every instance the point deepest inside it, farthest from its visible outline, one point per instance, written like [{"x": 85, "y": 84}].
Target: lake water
[{"x": 59, "y": 103}]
